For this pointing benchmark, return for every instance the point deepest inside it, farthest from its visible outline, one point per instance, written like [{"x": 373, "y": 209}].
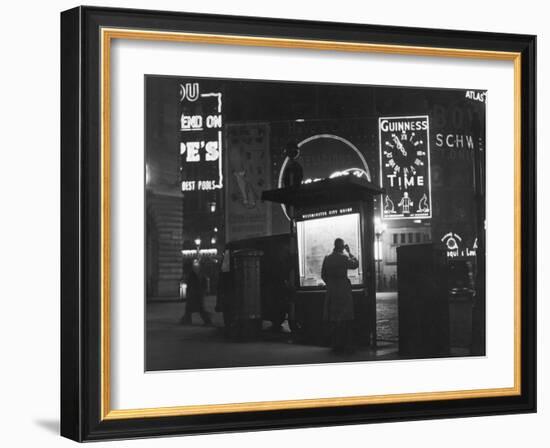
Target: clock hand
[{"x": 399, "y": 145}]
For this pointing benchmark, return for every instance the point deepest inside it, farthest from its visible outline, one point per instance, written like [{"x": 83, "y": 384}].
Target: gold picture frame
[{"x": 109, "y": 30}]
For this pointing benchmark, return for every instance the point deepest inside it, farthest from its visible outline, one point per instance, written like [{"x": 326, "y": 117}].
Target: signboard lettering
[
  {"x": 200, "y": 138},
  {"x": 405, "y": 167}
]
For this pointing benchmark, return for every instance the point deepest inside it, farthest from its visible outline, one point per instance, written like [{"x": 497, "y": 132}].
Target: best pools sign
[
  {"x": 201, "y": 126},
  {"x": 405, "y": 167}
]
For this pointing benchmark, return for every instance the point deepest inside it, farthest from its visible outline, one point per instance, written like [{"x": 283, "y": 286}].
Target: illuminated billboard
[
  {"x": 405, "y": 167},
  {"x": 201, "y": 143}
]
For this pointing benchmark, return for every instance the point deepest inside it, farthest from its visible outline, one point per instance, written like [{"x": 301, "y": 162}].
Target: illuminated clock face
[
  {"x": 405, "y": 167},
  {"x": 405, "y": 152}
]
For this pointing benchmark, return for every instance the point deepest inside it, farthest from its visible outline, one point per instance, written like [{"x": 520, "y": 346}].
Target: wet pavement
[{"x": 173, "y": 346}]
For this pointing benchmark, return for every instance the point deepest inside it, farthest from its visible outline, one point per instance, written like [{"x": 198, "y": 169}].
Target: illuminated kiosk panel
[
  {"x": 316, "y": 240},
  {"x": 320, "y": 212}
]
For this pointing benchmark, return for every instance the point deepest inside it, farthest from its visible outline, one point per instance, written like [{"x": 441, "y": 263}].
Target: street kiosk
[{"x": 320, "y": 212}]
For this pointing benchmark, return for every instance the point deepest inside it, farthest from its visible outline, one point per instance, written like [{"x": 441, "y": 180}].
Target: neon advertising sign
[
  {"x": 405, "y": 167},
  {"x": 456, "y": 247},
  {"x": 201, "y": 147}
]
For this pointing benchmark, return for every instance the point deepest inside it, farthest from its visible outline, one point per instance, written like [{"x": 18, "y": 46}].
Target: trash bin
[
  {"x": 461, "y": 304},
  {"x": 248, "y": 310},
  {"x": 423, "y": 307}
]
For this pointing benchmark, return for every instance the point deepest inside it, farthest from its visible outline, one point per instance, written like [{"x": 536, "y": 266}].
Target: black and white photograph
[{"x": 293, "y": 223}]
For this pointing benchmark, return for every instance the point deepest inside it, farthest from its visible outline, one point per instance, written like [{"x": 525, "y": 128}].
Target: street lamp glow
[
  {"x": 197, "y": 241},
  {"x": 379, "y": 226},
  {"x": 379, "y": 229},
  {"x": 377, "y": 251},
  {"x": 147, "y": 175}
]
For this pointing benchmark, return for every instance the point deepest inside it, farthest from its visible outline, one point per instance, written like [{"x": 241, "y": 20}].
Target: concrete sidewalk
[{"x": 173, "y": 346}]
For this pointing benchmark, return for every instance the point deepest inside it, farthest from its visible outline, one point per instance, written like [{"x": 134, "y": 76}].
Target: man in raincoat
[{"x": 338, "y": 309}]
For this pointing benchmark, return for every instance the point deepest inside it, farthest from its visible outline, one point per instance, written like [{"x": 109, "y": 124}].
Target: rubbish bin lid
[{"x": 248, "y": 253}]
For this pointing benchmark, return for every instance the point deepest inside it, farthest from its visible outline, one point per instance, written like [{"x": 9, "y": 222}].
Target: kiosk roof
[{"x": 329, "y": 191}]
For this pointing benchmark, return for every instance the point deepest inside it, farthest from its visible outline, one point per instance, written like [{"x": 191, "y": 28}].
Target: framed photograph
[{"x": 275, "y": 224}]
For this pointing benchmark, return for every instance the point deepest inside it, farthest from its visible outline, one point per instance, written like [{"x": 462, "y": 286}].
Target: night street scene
[{"x": 297, "y": 223}]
